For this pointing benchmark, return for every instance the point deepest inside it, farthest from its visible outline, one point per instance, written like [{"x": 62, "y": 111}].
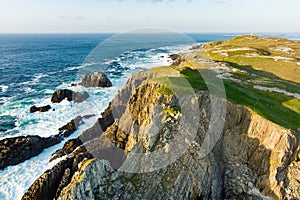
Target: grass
[
  {"x": 262, "y": 49},
  {"x": 165, "y": 91},
  {"x": 293, "y": 104},
  {"x": 259, "y": 69},
  {"x": 276, "y": 107}
]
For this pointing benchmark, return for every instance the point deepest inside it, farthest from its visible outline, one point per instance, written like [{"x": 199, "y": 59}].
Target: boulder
[
  {"x": 96, "y": 79},
  {"x": 34, "y": 109},
  {"x": 59, "y": 95},
  {"x": 19, "y": 149}
]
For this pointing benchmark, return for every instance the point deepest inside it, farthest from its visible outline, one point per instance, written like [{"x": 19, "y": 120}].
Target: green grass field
[{"x": 247, "y": 72}]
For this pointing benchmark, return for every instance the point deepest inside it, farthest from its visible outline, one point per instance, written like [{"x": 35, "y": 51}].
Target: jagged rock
[
  {"x": 40, "y": 109},
  {"x": 253, "y": 158},
  {"x": 96, "y": 79},
  {"x": 68, "y": 148},
  {"x": 16, "y": 150},
  {"x": 70, "y": 127},
  {"x": 48, "y": 186},
  {"x": 59, "y": 95},
  {"x": 177, "y": 59}
]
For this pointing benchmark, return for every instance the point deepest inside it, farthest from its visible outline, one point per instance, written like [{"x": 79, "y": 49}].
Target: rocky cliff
[{"x": 143, "y": 147}]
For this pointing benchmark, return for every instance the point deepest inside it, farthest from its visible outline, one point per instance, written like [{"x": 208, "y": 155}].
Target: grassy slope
[{"x": 279, "y": 108}]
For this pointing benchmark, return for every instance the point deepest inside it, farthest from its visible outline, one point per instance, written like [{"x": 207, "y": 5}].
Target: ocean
[{"x": 33, "y": 66}]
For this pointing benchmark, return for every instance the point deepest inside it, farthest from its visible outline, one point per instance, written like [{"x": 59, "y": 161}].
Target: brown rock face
[
  {"x": 59, "y": 95},
  {"x": 49, "y": 185},
  {"x": 253, "y": 159},
  {"x": 96, "y": 79},
  {"x": 68, "y": 148},
  {"x": 70, "y": 127},
  {"x": 16, "y": 150}
]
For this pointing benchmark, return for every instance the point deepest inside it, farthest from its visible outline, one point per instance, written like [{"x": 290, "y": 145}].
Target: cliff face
[{"x": 252, "y": 159}]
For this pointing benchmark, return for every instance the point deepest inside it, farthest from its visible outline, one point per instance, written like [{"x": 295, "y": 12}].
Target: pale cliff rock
[{"x": 253, "y": 159}]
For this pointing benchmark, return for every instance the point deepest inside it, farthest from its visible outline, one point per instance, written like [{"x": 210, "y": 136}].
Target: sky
[{"x": 112, "y": 16}]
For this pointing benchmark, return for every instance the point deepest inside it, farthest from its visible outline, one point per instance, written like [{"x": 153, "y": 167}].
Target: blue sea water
[{"x": 33, "y": 66}]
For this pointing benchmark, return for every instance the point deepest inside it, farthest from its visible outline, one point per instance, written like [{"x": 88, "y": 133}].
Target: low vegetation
[{"x": 247, "y": 65}]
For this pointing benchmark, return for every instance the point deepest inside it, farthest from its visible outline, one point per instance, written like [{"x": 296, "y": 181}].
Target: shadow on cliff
[{"x": 267, "y": 104}]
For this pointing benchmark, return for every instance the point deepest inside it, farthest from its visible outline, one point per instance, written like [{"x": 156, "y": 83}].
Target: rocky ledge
[
  {"x": 252, "y": 159},
  {"x": 16, "y": 150},
  {"x": 19, "y": 149}
]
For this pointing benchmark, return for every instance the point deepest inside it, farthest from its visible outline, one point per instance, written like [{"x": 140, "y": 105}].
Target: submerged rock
[
  {"x": 19, "y": 149},
  {"x": 59, "y": 95},
  {"x": 96, "y": 79},
  {"x": 40, "y": 109}
]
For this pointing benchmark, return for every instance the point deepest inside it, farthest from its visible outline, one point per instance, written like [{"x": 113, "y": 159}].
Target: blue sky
[{"x": 88, "y": 16}]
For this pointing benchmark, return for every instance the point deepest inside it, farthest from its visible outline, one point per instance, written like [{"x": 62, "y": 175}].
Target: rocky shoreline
[
  {"x": 238, "y": 167},
  {"x": 254, "y": 158},
  {"x": 19, "y": 149}
]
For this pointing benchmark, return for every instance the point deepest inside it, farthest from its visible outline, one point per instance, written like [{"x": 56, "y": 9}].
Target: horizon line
[{"x": 188, "y": 32}]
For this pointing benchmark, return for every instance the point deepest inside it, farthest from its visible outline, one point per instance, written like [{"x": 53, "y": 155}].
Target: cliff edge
[{"x": 253, "y": 159}]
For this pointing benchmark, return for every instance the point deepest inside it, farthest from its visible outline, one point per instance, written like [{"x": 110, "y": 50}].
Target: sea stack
[{"x": 96, "y": 79}]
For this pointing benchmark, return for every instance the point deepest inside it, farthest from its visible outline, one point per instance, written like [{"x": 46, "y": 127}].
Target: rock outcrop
[
  {"x": 70, "y": 127},
  {"x": 253, "y": 158},
  {"x": 68, "y": 148},
  {"x": 177, "y": 59},
  {"x": 16, "y": 150},
  {"x": 49, "y": 185},
  {"x": 34, "y": 109},
  {"x": 59, "y": 95},
  {"x": 19, "y": 149},
  {"x": 96, "y": 79}
]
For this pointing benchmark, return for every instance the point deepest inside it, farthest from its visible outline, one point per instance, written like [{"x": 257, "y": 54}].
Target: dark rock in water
[
  {"x": 70, "y": 128},
  {"x": 40, "y": 109},
  {"x": 59, "y": 95},
  {"x": 68, "y": 148},
  {"x": 17, "y": 150},
  {"x": 96, "y": 79},
  {"x": 50, "y": 184},
  {"x": 73, "y": 84}
]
